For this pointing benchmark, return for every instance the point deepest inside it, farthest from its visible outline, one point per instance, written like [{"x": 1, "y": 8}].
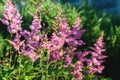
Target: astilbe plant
[{"x": 62, "y": 45}]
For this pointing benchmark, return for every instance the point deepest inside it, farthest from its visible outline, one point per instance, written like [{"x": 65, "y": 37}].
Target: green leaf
[{"x": 37, "y": 62}]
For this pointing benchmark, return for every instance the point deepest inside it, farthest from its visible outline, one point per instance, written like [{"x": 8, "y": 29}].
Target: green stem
[
  {"x": 19, "y": 65},
  {"x": 47, "y": 70},
  {"x": 10, "y": 51}
]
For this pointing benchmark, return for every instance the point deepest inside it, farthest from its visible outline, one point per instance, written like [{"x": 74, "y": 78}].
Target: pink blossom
[
  {"x": 12, "y": 18},
  {"x": 97, "y": 57}
]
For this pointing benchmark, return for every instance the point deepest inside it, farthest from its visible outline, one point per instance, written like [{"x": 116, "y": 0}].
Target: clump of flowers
[
  {"x": 63, "y": 44},
  {"x": 93, "y": 59}
]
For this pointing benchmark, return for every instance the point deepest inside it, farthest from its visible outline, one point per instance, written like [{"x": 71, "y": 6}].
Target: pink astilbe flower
[
  {"x": 93, "y": 60},
  {"x": 56, "y": 55},
  {"x": 10, "y": 10},
  {"x": 65, "y": 36},
  {"x": 74, "y": 38},
  {"x": 77, "y": 33},
  {"x": 12, "y": 18},
  {"x": 68, "y": 60},
  {"x": 78, "y": 68},
  {"x": 97, "y": 57},
  {"x": 31, "y": 42},
  {"x": 79, "y": 65},
  {"x": 55, "y": 43},
  {"x": 35, "y": 26},
  {"x": 32, "y": 39},
  {"x": 54, "y": 46},
  {"x": 16, "y": 42},
  {"x": 64, "y": 29}
]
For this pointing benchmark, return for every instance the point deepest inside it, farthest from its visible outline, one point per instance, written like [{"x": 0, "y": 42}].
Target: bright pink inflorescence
[
  {"x": 62, "y": 44},
  {"x": 12, "y": 18}
]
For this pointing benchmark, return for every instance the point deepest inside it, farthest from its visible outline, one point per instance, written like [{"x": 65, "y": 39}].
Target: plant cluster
[{"x": 55, "y": 56}]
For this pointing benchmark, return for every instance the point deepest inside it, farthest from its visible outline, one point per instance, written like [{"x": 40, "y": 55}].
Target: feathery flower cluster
[
  {"x": 32, "y": 39},
  {"x": 29, "y": 46},
  {"x": 79, "y": 65},
  {"x": 65, "y": 36},
  {"x": 94, "y": 63},
  {"x": 12, "y": 18},
  {"x": 96, "y": 59},
  {"x": 62, "y": 44}
]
